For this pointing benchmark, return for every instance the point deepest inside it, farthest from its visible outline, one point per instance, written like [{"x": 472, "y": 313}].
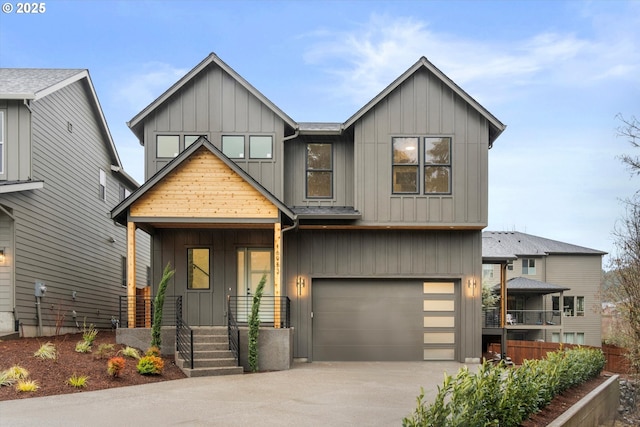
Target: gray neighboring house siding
[
  {"x": 62, "y": 231},
  {"x": 361, "y": 235}
]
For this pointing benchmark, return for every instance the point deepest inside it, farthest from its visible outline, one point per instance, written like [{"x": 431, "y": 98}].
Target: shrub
[
  {"x": 17, "y": 372},
  {"x": 6, "y": 379},
  {"x": 150, "y": 365},
  {"x": 83, "y": 347},
  {"x": 115, "y": 366},
  {"x": 89, "y": 334},
  {"x": 27, "y": 386},
  {"x": 78, "y": 381},
  {"x": 105, "y": 351},
  {"x": 254, "y": 325},
  {"x": 500, "y": 396},
  {"x": 46, "y": 351},
  {"x": 152, "y": 351},
  {"x": 130, "y": 352},
  {"x": 156, "y": 336}
]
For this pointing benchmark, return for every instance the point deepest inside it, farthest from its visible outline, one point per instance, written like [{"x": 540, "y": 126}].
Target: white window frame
[
  {"x": 529, "y": 270},
  {"x": 102, "y": 188}
]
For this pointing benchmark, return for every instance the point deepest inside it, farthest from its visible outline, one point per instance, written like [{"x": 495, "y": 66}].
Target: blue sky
[{"x": 555, "y": 72}]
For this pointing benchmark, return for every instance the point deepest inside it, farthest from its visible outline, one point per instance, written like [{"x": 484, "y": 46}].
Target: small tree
[
  {"x": 254, "y": 325},
  {"x": 156, "y": 336}
]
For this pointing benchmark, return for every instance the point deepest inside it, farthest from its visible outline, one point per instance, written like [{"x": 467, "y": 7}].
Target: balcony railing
[
  {"x": 274, "y": 311},
  {"x": 491, "y": 318}
]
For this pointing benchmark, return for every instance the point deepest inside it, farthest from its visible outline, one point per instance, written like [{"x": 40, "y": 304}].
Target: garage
[{"x": 383, "y": 320}]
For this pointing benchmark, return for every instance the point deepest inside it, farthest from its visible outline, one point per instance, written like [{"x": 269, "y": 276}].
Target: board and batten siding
[
  {"x": 422, "y": 106},
  {"x": 295, "y": 152},
  {"x": 583, "y": 274},
  {"x": 203, "y": 187},
  {"x": 17, "y": 141},
  {"x": 63, "y": 230},
  {"x": 394, "y": 254},
  {"x": 215, "y": 104}
]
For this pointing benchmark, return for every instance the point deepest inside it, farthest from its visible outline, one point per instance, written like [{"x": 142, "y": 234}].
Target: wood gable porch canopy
[{"x": 200, "y": 188}]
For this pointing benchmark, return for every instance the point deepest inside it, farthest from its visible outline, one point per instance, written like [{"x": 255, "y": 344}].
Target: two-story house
[
  {"x": 60, "y": 176},
  {"x": 552, "y": 287},
  {"x": 371, "y": 227}
]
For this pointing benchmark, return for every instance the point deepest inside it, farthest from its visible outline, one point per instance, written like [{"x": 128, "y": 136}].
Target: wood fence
[{"x": 521, "y": 350}]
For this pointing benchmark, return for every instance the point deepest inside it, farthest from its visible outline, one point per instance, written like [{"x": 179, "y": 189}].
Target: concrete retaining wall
[
  {"x": 596, "y": 408},
  {"x": 275, "y": 349},
  {"x": 141, "y": 338}
]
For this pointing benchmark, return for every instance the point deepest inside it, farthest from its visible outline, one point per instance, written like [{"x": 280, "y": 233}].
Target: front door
[
  {"x": 200, "y": 304},
  {"x": 253, "y": 264}
]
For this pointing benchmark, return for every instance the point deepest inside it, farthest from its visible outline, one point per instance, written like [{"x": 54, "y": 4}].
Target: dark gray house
[
  {"x": 60, "y": 176},
  {"x": 370, "y": 229}
]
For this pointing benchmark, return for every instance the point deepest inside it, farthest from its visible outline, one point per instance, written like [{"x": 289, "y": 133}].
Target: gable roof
[
  {"x": 32, "y": 84},
  {"x": 119, "y": 213},
  {"x": 523, "y": 284},
  {"x": 135, "y": 124},
  {"x": 495, "y": 126},
  {"x": 508, "y": 245}
]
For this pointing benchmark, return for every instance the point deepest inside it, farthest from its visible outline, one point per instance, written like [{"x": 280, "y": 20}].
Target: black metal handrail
[
  {"x": 144, "y": 309},
  {"x": 274, "y": 311},
  {"x": 233, "y": 332},
  {"x": 184, "y": 335}
]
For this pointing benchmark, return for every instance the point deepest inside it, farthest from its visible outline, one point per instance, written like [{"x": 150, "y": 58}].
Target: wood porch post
[
  {"x": 131, "y": 274},
  {"x": 277, "y": 277}
]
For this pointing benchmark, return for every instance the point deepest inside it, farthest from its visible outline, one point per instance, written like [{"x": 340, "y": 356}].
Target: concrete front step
[
  {"x": 212, "y": 372},
  {"x": 211, "y": 355},
  {"x": 209, "y": 330},
  {"x": 210, "y": 346}
]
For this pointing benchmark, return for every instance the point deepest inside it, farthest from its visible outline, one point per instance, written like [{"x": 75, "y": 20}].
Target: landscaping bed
[{"x": 52, "y": 375}]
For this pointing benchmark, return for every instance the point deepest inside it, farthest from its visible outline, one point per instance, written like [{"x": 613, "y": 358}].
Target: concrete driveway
[{"x": 310, "y": 394}]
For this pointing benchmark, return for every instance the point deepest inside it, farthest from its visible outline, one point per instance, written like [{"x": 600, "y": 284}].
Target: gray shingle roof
[
  {"x": 319, "y": 127},
  {"x": 326, "y": 212},
  {"x": 523, "y": 284},
  {"x": 30, "y": 81},
  {"x": 506, "y": 245}
]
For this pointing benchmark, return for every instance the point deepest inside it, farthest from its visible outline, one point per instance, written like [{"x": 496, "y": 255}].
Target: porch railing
[
  {"x": 274, "y": 311},
  {"x": 233, "y": 331},
  {"x": 184, "y": 336},
  {"x": 491, "y": 318},
  {"x": 144, "y": 312}
]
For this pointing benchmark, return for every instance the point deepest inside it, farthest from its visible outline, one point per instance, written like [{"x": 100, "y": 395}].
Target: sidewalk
[{"x": 310, "y": 394}]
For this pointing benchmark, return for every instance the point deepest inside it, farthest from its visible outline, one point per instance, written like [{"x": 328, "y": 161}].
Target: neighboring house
[
  {"x": 371, "y": 228},
  {"x": 553, "y": 288},
  {"x": 60, "y": 176}
]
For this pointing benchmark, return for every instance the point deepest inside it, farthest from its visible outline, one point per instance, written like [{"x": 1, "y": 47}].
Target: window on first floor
[
  {"x": 123, "y": 269},
  {"x": 198, "y": 268},
  {"x": 148, "y": 276},
  {"x": 319, "y": 170},
  {"x": 430, "y": 173},
  {"x": 529, "y": 266}
]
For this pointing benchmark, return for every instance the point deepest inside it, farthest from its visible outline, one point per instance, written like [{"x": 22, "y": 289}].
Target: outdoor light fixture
[
  {"x": 1, "y": 255},
  {"x": 300, "y": 284},
  {"x": 471, "y": 284}
]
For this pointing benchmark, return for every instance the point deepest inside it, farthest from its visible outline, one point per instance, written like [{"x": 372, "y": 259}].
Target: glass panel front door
[{"x": 252, "y": 265}]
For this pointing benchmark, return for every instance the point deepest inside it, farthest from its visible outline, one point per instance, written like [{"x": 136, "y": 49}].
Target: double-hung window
[
  {"x": 429, "y": 173},
  {"x": 529, "y": 266},
  {"x": 102, "y": 187},
  {"x": 319, "y": 170}
]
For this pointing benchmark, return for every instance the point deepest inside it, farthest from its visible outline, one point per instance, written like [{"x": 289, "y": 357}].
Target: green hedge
[{"x": 497, "y": 395}]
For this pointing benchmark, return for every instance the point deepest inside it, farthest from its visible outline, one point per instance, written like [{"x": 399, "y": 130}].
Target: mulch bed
[{"x": 52, "y": 375}]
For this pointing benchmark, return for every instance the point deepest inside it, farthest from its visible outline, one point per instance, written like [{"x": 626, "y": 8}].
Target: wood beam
[
  {"x": 277, "y": 269},
  {"x": 131, "y": 274}
]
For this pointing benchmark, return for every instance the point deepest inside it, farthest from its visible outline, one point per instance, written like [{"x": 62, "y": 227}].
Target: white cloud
[
  {"x": 143, "y": 86},
  {"x": 366, "y": 59}
]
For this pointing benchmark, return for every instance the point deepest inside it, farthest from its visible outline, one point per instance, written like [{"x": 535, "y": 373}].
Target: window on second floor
[
  {"x": 102, "y": 187},
  {"x": 529, "y": 266},
  {"x": 319, "y": 170},
  {"x": 429, "y": 174},
  {"x": 167, "y": 146},
  {"x": 123, "y": 192},
  {"x": 487, "y": 271},
  {"x": 580, "y": 306}
]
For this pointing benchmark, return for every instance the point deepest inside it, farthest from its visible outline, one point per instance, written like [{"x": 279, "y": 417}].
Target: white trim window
[
  {"x": 102, "y": 188},
  {"x": 529, "y": 266}
]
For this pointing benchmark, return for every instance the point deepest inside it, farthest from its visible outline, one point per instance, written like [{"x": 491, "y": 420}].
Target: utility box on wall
[{"x": 40, "y": 289}]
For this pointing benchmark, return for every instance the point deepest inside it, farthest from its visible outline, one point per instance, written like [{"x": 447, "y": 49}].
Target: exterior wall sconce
[
  {"x": 2, "y": 256},
  {"x": 300, "y": 284},
  {"x": 471, "y": 284}
]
